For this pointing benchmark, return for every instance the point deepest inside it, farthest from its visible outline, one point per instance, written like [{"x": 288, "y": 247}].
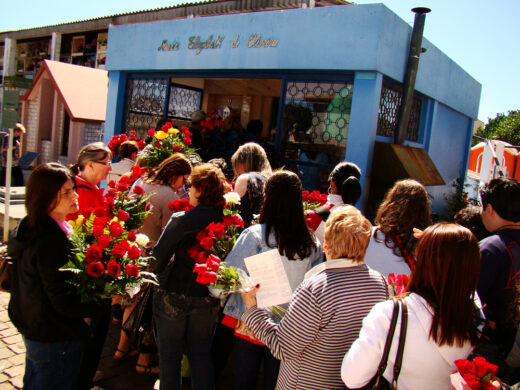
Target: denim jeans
[
  {"x": 52, "y": 365},
  {"x": 184, "y": 325},
  {"x": 248, "y": 358}
]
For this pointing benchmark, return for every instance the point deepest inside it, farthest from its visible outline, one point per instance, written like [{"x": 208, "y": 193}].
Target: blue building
[{"x": 325, "y": 82}]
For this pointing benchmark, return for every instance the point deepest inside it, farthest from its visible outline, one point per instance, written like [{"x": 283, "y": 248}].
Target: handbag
[
  {"x": 139, "y": 326},
  {"x": 378, "y": 382},
  {"x": 6, "y": 271}
]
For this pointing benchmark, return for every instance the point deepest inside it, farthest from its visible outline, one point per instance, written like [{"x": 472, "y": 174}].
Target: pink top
[{"x": 67, "y": 229}]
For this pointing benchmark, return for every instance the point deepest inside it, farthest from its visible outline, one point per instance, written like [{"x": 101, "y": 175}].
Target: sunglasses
[{"x": 106, "y": 164}]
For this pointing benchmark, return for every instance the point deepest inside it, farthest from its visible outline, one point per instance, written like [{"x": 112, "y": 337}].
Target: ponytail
[{"x": 350, "y": 190}]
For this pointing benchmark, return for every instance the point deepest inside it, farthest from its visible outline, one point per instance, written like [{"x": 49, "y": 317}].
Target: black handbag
[
  {"x": 6, "y": 271},
  {"x": 378, "y": 382},
  {"x": 139, "y": 326}
]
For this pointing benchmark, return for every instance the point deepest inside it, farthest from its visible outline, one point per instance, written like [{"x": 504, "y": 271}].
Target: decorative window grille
[
  {"x": 315, "y": 124},
  {"x": 93, "y": 133},
  {"x": 144, "y": 104},
  {"x": 389, "y": 104},
  {"x": 183, "y": 102}
]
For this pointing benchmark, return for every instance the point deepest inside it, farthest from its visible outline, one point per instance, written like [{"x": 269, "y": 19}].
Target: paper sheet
[{"x": 267, "y": 270}]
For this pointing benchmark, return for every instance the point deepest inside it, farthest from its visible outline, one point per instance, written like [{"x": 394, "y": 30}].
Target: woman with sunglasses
[{"x": 92, "y": 167}]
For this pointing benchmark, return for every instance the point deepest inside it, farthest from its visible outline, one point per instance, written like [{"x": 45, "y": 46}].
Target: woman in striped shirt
[{"x": 327, "y": 309}]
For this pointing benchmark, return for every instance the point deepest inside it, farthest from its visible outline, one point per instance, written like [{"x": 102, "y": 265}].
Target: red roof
[{"x": 83, "y": 90}]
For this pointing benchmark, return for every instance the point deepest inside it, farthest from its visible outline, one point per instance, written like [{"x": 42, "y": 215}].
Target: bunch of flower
[
  {"x": 213, "y": 123},
  {"x": 214, "y": 244},
  {"x": 476, "y": 374},
  {"x": 107, "y": 253},
  {"x": 167, "y": 141},
  {"x": 313, "y": 199},
  {"x": 116, "y": 141},
  {"x": 398, "y": 283},
  {"x": 180, "y": 205}
]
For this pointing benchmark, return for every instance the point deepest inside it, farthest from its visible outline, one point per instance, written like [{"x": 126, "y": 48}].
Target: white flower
[
  {"x": 142, "y": 239},
  {"x": 232, "y": 198}
]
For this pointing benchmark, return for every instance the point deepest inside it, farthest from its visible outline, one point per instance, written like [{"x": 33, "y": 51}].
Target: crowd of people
[{"x": 461, "y": 297}]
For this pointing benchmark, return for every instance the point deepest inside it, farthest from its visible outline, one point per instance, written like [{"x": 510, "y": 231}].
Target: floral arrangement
[
  {"x": 116, "y": 141},
  {"x": 398, "y": 283},
  {"x": 180, "y": 205},
  {"x": 213, "y": 123},
  {"x": 475, "y": 375},
  {"x": 214, "y": 244},
  {"x": 107, "y": 254},
  {"x": 313, "y": 199},
  {"x": 167, "y": 141}
]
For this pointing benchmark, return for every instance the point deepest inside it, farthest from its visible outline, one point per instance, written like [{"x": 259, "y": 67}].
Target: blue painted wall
[
  {"x": 448, "y": 148},
  {"x": 357, "y": 38}
]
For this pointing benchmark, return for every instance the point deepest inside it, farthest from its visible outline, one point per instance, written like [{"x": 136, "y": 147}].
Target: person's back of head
[
  {"x": 128, "y": 148},
  {"x": 446, "y": 276},
  {"x": 175, "y": 165},
  {"x": 282, "y": 212},
  {"x": 346, "y": 177},
  {"x": 503, "y": 194},
  {"x": 252, "y": 158},
  {"x": 470, "y": 218}
]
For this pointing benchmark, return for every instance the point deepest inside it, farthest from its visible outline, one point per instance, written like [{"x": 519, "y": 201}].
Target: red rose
[
  {"x": 118, "y": 250},
  {"x": 157, "y": 144},
  {"x": 198, "y": 268},
  {"x": 141, "y": 143},
  {"x": 122, "y": 215},
  {"x": 314, "y": 197},
  {"x": 131, "y": 236},
  {"x": 125, "y": 244},
  {"x": 109, "y": 200},
  {"x": 151, "y": 132},
  {"x": 100, "y": 212},
  {"x": 176, "y": 148},
  {"x": 228, "y": 220},
  {"x": 184, "y": 129},
  {"x": 115, "y": 229},
  {"x": 305, "y": 195},
  {"x": 188, "y": 133},
  {"x": 95, "y": 269},
  {"x": 492, "y": 369},
  {"x": 202, "y": 258},
  {"x": 111, "y": 192},
  {"x": 218, "y": 229},
  {"x": 138, "y": 190},
  {"x": 187, "y": 141},
  {"x": 113, "y": 269},
  {"x": 134, "y": 252},
  {"x": 237, "y": 221},
  {"x": 104, "y": 241},
  {"x": 132, "y": 133},
  {"x": 206, "y": 277},
  {"x": 194, "y": 251},
  {"x": 132, "y": 270},
  {"x": 122, "y": 187},
  {"x": 100, "y": 221},
  {"x": 201, "y": 235},
  {"x": 123, "y": 137},
  {"x": 97, "y": 230},
  {"x": 86, "y": 213},
  {"x": 125, "y": 180},
  {"x": 213, "y": 262},
  {"x": 206, "y": 243},
  {"x": 323, "y": 199},
  {"x": 93, "y": 253},
  {"x": 112, "y": 184}
]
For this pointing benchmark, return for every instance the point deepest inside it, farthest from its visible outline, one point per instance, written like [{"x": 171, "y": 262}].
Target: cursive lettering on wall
[
  {"x": 255, "y": 40},
  {"x": 165, "y": 46},
  {"x": 197, "y": 45}
]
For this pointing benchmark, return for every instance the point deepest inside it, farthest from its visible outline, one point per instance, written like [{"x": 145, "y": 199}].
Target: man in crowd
[{"x": 16, "y": 170}]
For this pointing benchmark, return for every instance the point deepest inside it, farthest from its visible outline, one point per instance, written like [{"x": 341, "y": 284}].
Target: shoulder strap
[
  {"x": 402, "y": 339},
  {"x": 389, "y": 337}
]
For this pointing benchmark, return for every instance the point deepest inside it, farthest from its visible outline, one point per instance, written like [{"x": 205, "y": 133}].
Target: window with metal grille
[
  {"x": 389, "y": 104},
  {"x": 183, "y": 102},
  {"x": 315, "y": 125},
  {"x": 144, "y": 103}
]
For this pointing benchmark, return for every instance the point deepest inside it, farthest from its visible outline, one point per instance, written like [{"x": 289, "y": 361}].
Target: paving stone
[
  {"x": 5, "y": 363},
  {"x": 17, "y": 338},
  {"x": 4, "y": 378},
  {"x": 17, "y": 359},
  {"x": 5, "y": 353},
  {"x": 17, "y": 381},
  {"x": 8, "y": 332},
  {"x": 17, "y": 348},
  {"x": 7, "y": 386},
  {"x": 14, "y": 371}
]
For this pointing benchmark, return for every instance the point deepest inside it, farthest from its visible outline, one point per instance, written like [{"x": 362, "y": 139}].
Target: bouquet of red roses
[
  {"x": 474, "y": 375},
  {"x": 180, "y": 205},
  {"x": 214, "y": 244},
  {"x": 107, "y": 253},
  {"x": 116, "y": 141},
  {"x": 167, "y": 141},
  {"x": 313, "y": 199},
  {"x": 398, "y": 283},
  {"x": 213, "y": 123}
]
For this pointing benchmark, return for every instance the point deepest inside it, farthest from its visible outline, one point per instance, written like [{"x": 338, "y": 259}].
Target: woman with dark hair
[
  {"x": 282, "y": 226},
  {"x": 43, "y": 306},
  {"x": 127, "y": 154},
  {"x": 251, "y": 168},
  {"x": 344, "y": 188},
  {"x": 406, "y": 206},
  {"x": 184, "y": 312},
  {"x": 92, "y": 167},
  {"x": 442, "y": 316}
]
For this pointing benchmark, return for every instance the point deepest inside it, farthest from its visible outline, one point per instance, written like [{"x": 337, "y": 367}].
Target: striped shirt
[{"x": 323, "y": 320}]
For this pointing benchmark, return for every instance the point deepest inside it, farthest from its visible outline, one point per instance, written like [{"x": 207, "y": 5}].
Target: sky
[{"x": 479, "y": 35}]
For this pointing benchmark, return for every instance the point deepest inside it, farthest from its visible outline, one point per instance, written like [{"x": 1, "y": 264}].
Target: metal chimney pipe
[{"x": 411, "y": 73}]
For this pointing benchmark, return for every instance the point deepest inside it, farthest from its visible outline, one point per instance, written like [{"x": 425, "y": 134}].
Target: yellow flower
[
  {"x": 173, "y": 131},
  {"x": 71, "y": 223},
  {"x": 160, "y": 135},
  {"x": 80, "y": 220}
]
